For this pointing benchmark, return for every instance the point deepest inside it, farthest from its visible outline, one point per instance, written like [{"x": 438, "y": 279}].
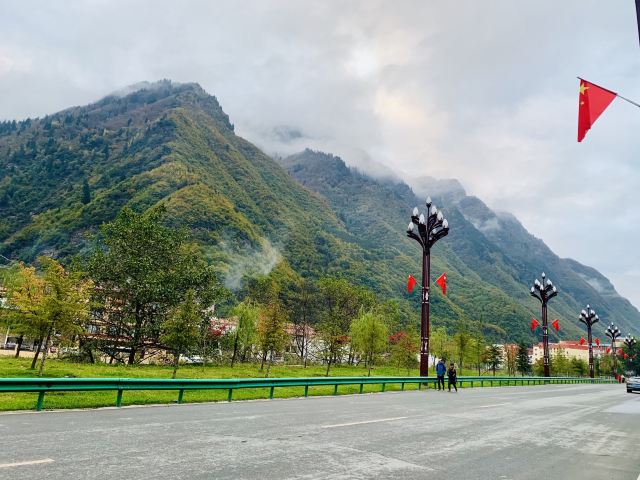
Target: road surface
[{"x": 542, "y": 433}]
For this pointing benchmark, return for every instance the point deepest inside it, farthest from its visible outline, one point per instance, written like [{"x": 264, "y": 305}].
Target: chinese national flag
[
  {"x": 556, "y": 324},
  {"x": 608, "y": 350},
  {"x": 582, "y": 341},
  {"x": 442, "y": 283},
  {"x": 592, "y": 101},
  {"x": 626, "y": 357},
  {"x": 411, "y": 282},
  {"x": 534, "y": 324},
  {"x": 597, "y": 341}
]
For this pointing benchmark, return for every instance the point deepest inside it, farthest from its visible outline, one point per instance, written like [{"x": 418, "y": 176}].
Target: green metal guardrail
[{"x": 43, "y": 385}]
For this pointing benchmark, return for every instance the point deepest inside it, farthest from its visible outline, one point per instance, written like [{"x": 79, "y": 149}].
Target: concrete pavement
[{"x": 543, "y": 432}]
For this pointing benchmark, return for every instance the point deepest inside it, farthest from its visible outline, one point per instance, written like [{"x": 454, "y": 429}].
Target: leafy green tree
[
  {"x": 272, "y": 334},
  {"x": 304, "y": 314},
  {"x": 142, "y": 270},
  {"x": 441, "y": 343},
  {"x": 478, "y": 345},
  {"x": 369, "y": 337},
  {"x": 56, "y": 302},
  {"x": 244, "y": 335},
  {"x": 493, "y": 358},
  {"x": 404, "y": 350},
  {"x": 181, "y": 333},
  {"x": 522, "y": 359},
  {"x": 341, "y": 303},
  {"x": 463, "y": 342}
]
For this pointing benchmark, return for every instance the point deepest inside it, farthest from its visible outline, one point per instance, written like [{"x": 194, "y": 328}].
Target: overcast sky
[{"x": 485, "y": 92}]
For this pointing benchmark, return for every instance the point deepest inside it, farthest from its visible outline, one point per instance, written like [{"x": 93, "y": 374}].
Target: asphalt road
[{"x": 543, "y": 433}]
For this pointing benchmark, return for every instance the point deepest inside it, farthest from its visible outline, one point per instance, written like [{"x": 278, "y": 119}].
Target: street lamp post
[
  {"x": 613, "y": 333},
  {"x": 426, "y": 231},
  {"x": 629, "y": 341},
  {"x": 589, "y": 318},
  {"x": 544, "y": 291}
]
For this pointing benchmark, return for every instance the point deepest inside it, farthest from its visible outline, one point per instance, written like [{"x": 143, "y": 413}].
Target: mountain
[
  {"x": 490, "y": 258},
  {"x": 64, "y": 175}
]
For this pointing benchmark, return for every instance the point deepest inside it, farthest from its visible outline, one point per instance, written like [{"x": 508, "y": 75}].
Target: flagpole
[{"x": 616, "y": 94}]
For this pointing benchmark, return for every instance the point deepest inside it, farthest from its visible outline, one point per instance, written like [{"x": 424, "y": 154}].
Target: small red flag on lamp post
[
  {"x": 597, "y": 341},
  {"x": 534, "y": 324},
  {"x": 556, "y": 324},
  {"x": 411, "y": 282},
  {"x": 442, "y": 283},
  {"x": 582, "y": 341}
]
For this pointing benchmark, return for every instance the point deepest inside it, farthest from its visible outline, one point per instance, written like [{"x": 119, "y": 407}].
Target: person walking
[
  {"x": 453, "y": 377},
  {"x": 441, "y": 369}
]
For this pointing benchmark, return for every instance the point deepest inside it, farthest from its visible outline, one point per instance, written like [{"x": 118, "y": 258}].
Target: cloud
[{"x": 485, "y": 93}]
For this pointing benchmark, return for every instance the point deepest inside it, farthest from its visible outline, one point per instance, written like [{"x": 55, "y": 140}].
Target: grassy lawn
[{"x": 12, "y": 367}]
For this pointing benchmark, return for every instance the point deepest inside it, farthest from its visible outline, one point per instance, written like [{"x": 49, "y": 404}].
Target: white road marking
[
  {"x": 364, "y": 422},
  {"x": 28, "y": 462},
  {"x": 493, "y": 405}
]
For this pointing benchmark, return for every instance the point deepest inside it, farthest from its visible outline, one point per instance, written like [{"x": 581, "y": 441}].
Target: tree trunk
[
  {"x": 176, "y": 360},
  {"x": 19, "y": 346},
  {"x": 264, "y": 357},
  {"x": 6, "y": 335},
  {"x": 269, "y": 364},
  {"x": 137, "y": 333},
  {"x": 328, "y": 365},
  {"x": 235, "y": 350},
  {"x": 370, "y": 362},
  {"x": 35, "y": 357},
  {"x": 44, "y": 353}
]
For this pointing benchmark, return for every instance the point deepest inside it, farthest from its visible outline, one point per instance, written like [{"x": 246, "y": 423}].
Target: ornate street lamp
[
  {"x": 629, "y": 341},
  {"x": 613, "y": 333},
  {"x": 589, "y": 318},
  {"x": 544, "y": 291},
  {"x": 426, "y": 231}
]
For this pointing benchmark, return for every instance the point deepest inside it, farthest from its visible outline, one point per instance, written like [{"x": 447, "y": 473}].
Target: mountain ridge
[{"x": 174, "y": 145}]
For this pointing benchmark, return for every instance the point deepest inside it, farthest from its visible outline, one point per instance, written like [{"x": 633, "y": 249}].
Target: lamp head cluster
[
  {"x": 630, "y": 341},
  {"x": 543, "y": 290},
  {"x": 588, "y": 316},
  {"x": 613, "y": 332},
  {"x": 428, "y": 229}
]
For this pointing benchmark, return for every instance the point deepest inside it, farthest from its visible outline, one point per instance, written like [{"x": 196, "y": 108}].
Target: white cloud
[{"x": 484, "y": 92}]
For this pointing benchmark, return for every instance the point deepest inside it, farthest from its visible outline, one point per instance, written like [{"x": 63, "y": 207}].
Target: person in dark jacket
[
  {"x": 441, "y": 369},
  {"x": 453, "y": 376}
]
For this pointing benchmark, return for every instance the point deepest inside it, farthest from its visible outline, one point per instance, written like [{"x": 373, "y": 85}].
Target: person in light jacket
[{"x": 453, "y": 376}]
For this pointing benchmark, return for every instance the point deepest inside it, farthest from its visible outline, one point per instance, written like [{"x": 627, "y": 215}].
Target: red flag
[
  {"x": 534, "y": 324},
  {"x": 555, "y": 324},
  {"x": 592, "y": 101},
  {"x": 608, "y": 350},
  {"x": 626, "y": 357},
  {"x": 597, "y": 341},
  {"x": 411, "y": 282},
  {"x": 582, "y": 341},
  {"x": 442, "y": 283}
]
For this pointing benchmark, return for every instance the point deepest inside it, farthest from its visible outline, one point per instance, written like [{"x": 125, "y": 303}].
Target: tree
[
  {"x": 86, "y": 192},
  {"x": 142, "y": 270},
  {"x": 493, "y": 357},
  {"x": 462, "y": 341},
  {"x": 441, "y": 343},
  {"x": 181, "y": 333},
  {"x": 272, "y": 335},
  {"x": 244, "y": 335},
  {"x": 341, "y": 303},
  {"x": 522, "y": 359},
  {"x": 369, "y": 337},
  {"x": 56, "y": 302},
  {"x": 404, "y": 350},
  {"x": 304, "y": 314},
  {"x": 510, "y": 353},
  {"x": 478, "y": 346}
]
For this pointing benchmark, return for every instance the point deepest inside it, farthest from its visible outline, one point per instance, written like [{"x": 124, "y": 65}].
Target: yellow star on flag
[{"x": 583, "y": 88}]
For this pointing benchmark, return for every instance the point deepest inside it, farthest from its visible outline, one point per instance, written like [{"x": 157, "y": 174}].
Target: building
[{"x": 569, "y": 349}]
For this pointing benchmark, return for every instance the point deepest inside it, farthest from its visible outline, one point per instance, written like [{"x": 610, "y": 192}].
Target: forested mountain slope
[{"x": 64, "y": 175}]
